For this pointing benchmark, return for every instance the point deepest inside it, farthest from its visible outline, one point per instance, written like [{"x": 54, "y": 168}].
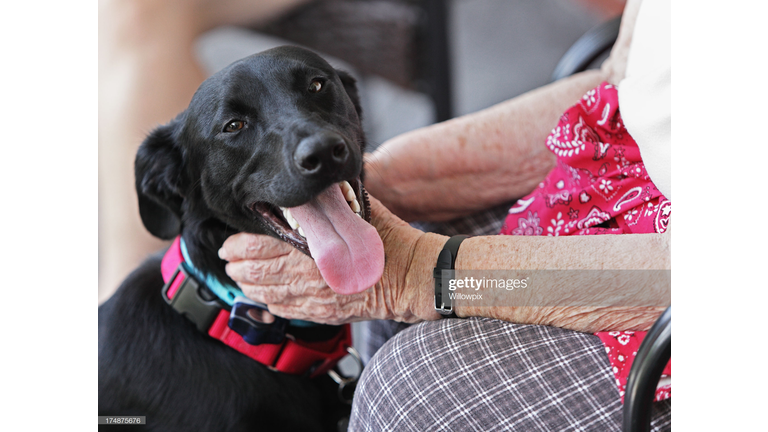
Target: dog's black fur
[{"x": 204, "y": 177}]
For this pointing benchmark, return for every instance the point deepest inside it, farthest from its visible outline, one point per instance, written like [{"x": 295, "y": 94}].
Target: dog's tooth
[
  {"x": 350, "y": 195},
  {"x": 301, "y": 232},
  {"x": 345, "y": 189},
  {"x": 289, "y": 218},
  {"x": 355, "y": 206},
  {"x": 293, "y": 222}
]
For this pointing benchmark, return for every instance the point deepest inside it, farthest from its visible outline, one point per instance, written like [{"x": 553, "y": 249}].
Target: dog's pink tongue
[{"x": 347, "y": 250}]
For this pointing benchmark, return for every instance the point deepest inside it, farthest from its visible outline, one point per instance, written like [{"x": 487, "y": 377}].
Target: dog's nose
[{"x": 320, "y": 154}]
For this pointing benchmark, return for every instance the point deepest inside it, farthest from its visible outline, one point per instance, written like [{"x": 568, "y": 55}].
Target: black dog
[{"x": 273, "y": 131}]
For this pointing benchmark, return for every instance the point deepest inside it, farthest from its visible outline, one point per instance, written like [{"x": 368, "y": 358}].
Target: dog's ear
[
  {"x": 350, "y": 85},
  {"x": 158, "y": 172}
]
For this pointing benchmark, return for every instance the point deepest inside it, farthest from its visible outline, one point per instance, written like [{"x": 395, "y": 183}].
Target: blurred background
[
  {"x": 416, "y": 61},
  {"x": 496, "y": 49}
]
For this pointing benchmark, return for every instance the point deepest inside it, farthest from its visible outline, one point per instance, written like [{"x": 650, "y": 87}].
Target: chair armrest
[
  {"x": 651, "y": 359},
  {"x": 587, "y": 49}
]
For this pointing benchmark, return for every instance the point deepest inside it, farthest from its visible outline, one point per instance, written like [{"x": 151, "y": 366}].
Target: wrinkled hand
[{"x": 271, "y": 271}]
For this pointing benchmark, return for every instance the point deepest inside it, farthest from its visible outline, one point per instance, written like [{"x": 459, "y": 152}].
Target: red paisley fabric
[
  {"x": 599, "y": 186},
  {"x": 621, "y": 348}
]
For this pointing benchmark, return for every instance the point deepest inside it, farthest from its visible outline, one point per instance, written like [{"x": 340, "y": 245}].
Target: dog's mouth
[
  {"x": 288, "y": 228},
  {"x": 333, "y": 229}
]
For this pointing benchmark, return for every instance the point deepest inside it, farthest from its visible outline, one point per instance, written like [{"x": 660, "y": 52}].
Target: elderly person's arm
[
  {"x": 597, "y": 254},
  {"x": 484, "y": 159},
  {"x": 273, "y": 272}
]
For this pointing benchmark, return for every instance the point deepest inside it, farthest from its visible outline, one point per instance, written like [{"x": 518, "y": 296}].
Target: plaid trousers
[{"x": 481, "y": 374}]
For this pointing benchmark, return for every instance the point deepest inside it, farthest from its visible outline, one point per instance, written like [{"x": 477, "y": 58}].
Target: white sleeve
[{"x": 645, "y": 93}]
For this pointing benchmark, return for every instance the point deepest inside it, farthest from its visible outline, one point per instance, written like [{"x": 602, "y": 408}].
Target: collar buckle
[
  {"x": 191, "y": 298},
  {"x": 249, "y": 319}
]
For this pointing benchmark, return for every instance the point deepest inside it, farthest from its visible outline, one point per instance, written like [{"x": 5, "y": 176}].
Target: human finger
[
  {"x": 274, "y": 271},
  {"x": 252, "y": 246},
  {"x": 267, "y": 294}
]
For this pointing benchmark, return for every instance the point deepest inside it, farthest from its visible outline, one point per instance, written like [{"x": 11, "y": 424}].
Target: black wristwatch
[{"x": 446, "y": 261}]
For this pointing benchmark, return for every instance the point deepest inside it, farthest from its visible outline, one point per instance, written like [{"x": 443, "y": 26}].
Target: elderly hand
[{"x": 270, "y": 271}]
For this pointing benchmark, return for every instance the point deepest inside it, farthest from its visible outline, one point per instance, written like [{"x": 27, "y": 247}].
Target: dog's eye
[
  {"x": 315, "y": 86},
  {"x": 234, "y": 126}
]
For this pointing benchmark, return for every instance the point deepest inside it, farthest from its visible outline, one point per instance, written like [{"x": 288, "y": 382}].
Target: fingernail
[{"x": 222, "y": 254}]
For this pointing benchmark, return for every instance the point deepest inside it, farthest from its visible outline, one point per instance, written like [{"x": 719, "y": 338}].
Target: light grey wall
[{"x": 499, "y": 48}]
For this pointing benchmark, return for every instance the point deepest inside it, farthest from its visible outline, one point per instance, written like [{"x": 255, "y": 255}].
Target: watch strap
[{"x": 446, "y": 261}]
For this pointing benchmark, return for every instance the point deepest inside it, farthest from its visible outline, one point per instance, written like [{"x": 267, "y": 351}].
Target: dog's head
[{"x": 272, "y": 144}]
